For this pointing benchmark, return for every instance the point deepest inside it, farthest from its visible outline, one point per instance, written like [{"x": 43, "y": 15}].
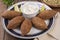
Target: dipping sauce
[{"x": 30, "y": 9}]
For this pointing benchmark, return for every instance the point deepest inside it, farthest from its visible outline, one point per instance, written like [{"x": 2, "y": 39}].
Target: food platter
[
  {"x": 51, "y": 3},
  {"x": 34, "y": 32}
]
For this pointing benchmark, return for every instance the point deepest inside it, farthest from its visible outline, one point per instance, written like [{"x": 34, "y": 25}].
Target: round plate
[{"x": 34, "y": 32}]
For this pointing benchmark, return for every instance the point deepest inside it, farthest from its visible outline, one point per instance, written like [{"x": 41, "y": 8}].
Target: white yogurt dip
[{"x": 29, "y": 10}]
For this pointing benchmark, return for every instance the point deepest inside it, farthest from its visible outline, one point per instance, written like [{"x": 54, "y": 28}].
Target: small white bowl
[{"x": 30, "y": 9}]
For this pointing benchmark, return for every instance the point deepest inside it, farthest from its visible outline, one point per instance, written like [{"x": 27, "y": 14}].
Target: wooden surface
[{"x": 3, "y": 34}]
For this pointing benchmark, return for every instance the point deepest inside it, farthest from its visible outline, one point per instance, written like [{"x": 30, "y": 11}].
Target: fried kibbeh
[
  {"x": 39, "y": 23},
  {"x": 26, "y": 27},
  {"x": 15, "y": 22},
  {"x": 10, "y": 14},
  {"x": 47, "y": 14}
]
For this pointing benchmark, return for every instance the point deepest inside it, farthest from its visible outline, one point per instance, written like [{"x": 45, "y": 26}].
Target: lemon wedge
[
  {"x": 42, "y": 8},
  {"x": 16, "y": 8},
  {"x": 20, "y": 10}
]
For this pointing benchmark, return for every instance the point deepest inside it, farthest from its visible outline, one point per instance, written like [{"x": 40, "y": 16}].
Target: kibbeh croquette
[
  {"x": 26, "y": 27},
  {"x": 10, "y": 14},
  {"x": 47, "y": 14},
  {"x": 39, "y": 23},
  {"x": 15, "y": 22}
]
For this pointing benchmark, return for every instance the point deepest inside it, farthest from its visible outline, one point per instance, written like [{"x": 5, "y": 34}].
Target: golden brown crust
[
  {"x": 47, "y": 14},
  {"x": 10, "y": 14},
  {"x": 39, "y": 23},
  {"x": 26, "y": 26},
  {"x": 15, "y": 22}
]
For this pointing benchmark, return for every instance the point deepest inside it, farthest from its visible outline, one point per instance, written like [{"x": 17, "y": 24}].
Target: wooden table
[{"x": 3, "y": 34}]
